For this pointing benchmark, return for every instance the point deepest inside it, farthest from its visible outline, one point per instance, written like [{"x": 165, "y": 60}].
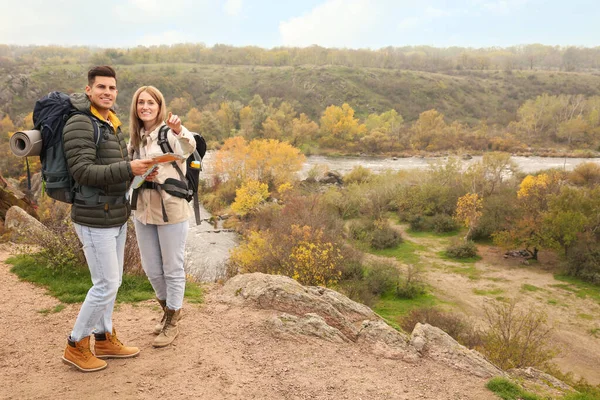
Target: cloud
[
  {"x": 233, "y": 7},
  {"x": 335, "y": 23}
]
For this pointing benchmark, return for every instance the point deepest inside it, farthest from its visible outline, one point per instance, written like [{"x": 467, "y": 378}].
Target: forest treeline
[{"x": 421, "y": 58}]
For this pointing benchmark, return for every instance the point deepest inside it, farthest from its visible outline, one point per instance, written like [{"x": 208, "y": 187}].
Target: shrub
[
  {"x": 462, "y": 249},
  {"x": 441, "y": 223},
  {"x": 417, "y": 223},
  {"x": 384, "y": 236},
  {"x": 411, "y": 285},
  {"x": 516, "y": 338},
  {"x": 361, "y": 229},
  {"x": 249, "y": 197},
  {"x": 382, "y": 277},
  {"x": 304, "y": 254},
  {"x": 584, "y": 262},
  {"x": 359, "y": 174}
]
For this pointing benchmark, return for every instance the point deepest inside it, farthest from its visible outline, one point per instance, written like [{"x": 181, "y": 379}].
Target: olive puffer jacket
[{"x": 102, "y": 172}]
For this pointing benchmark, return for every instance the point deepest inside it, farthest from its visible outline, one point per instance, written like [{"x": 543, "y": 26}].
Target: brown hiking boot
[
  {"x": 158, "y": 327},
  {"x": 109, "y": 346},
  {"x": 79, "y": 355},
  {"x": 170, "y": 329}
]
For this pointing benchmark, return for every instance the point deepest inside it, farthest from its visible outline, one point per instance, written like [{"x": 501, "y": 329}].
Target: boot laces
[
  {"x": 114, "y": 340},
  {"x": 85, "y": 351}
]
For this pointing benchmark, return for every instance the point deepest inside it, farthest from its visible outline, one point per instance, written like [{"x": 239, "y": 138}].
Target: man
[{"x": 102, "y": 172}]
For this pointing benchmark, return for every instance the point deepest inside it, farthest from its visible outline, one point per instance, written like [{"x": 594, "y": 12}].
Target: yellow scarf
[{"x": 113, "y": 120}]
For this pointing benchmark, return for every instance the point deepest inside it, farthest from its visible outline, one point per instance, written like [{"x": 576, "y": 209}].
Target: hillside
[
  {"x": 468, "y": 96},
  {"x": 223, "y": 352}
]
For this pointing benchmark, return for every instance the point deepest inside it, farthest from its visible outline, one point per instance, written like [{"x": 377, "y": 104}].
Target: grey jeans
[{"x": 162, "y": 249}]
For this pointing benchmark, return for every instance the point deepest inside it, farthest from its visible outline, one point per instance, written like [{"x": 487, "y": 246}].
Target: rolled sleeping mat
[{"x": 26, "y": 143}]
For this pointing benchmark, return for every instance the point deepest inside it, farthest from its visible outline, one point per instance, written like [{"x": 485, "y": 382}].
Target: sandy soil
[
  {"x": 222, "y": 353},
  {"x": 574, "y": 319}
]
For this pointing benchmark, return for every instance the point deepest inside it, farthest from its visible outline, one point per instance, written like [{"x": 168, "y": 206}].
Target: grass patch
[
  {"x": 389, "y": 307},
  {"x": 70, "y": 285},
  {"x": 470, "y": 271},
  {"x": 581, "y": 288},
  {"x": 405, "y": 252},
  {"x": 488, "y": 292},
  {"x": 53, "y": 310},
  {"x": 595, "y": 332},
  {"x": 507, "y": 390},
  {"x": 431, "y": 234},
  {"x": 585, "y": 316},
  {"x": 526, "y": 287}
]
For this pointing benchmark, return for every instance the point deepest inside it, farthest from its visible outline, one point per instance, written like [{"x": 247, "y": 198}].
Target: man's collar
[{"x": 113, "y": 120}]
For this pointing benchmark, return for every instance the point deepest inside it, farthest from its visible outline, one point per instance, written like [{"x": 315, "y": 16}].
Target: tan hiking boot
[
  {"x": 170, "y": 330},
  {"x": 79, "y": 355},
  {"x": 109, "y": 346},
  {"x": 158, "y": 327}
]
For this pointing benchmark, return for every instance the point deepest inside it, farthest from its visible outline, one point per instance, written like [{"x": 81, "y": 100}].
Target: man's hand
[
  {"x": 174, "y": 123},
  {"x": 138, "y": 167}
]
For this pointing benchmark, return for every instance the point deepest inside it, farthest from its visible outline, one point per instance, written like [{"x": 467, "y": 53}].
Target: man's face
[{"x": 103, "y": 92}]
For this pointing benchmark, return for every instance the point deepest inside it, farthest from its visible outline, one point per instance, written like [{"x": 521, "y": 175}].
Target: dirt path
[
  {"x": 468, "y": 286},
  {"x": 222, "y": 353}
]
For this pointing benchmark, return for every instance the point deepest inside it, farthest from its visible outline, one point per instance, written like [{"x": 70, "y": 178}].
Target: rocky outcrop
[
  {"x": 331, "y": 316},
  {"x": 23, "y": 228},
  {"x": 540, "y": 382},
  {"x": 280, "y": 293},
  {"x": 438, "y": 345},
  {"x": 10, "y": 196}
]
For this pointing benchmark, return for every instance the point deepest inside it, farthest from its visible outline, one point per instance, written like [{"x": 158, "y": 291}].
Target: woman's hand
[{"x": 174, "y": 123}]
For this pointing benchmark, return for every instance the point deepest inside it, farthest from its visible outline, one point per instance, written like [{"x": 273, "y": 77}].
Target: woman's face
[{"x": 147, "y": 109}]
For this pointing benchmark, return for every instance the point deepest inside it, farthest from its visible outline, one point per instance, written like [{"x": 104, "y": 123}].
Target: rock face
[
  {"x": 23, "y": 228},
  {"x": 540, "y": 382},
  {"x": 324, "y": 313},
  {"x": 438, "y": 345},
  {"x": 10, "y": 196}
]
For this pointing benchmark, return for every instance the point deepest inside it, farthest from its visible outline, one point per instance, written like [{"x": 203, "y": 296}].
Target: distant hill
[{"x": 467, "y": 96}]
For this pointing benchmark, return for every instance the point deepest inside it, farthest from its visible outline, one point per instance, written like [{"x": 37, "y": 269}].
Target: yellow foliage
[
  {"x": 268, "y": 161},
  {"x": 468, "y": 209},
  {"x": 304, "y": 255},
  {"x": 249, "y": 197},
  {"x": 313, "y": 261}
]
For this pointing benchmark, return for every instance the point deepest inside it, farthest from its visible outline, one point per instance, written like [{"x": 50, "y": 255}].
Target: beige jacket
[{"x": 149, "y": 210}]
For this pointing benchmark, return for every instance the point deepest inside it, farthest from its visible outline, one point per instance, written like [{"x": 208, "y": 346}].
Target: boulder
[
  {"x": 438, "y": 345},
  {"x": 10, "y": 197},
  {"x": 281, "y": 293},
  {"x": 23, "y": 228}
]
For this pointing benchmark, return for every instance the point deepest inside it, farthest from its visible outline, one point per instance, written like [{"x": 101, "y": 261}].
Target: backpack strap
[{"x": 166, "y": 148}]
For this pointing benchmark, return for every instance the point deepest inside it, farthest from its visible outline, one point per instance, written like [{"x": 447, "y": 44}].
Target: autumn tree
[
  {"x": 339, "y": 128},
  {"x": 528, "y": 228},
  {"x": 468, "y": 212},
  {"x": 267, "y": 161}
]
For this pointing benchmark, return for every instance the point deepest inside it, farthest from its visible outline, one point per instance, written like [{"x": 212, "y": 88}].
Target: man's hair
[{"x": 103, "y": 70}]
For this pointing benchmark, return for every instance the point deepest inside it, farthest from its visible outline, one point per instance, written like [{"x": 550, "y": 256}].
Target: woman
[{"x": 161, "y": 219}]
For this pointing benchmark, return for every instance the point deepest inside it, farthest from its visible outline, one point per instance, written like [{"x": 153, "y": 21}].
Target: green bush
[
  {"x": 411, "y": 285},
  {"x": 382, "y": 277},
  {"x": 384, "y": 236},
  {"x": 584, "y": 262},
  {"x": 417, "y": 223},
  {"x": 462, "y": 249},
  {"x": 442, "y": 223}
]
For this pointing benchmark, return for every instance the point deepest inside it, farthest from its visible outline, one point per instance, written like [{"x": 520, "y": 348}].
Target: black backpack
[
  {"x": 50, "y": 115},
  {"x": 186, "y": 187}
]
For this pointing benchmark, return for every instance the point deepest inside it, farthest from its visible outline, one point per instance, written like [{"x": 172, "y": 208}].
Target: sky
[{"x": 299, "y": 23}]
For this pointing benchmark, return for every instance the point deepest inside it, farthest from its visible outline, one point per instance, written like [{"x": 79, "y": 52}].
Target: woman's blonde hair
[{"x": 135, "y": 123}]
